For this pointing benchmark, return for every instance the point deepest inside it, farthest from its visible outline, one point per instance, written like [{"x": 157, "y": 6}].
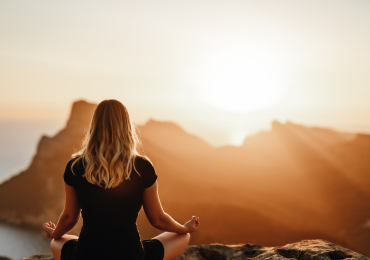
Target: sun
[{"x": 241, "y": 82}]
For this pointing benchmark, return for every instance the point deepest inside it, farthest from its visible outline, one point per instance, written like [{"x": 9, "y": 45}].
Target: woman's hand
[
  {"x": 49, "y": 229},
  {"x": 192, "y": 225}
]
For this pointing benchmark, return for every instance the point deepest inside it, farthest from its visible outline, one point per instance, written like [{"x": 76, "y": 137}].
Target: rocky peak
[
  {"x": 276, "y": 125},
  {"x": 81, "y": 114}
]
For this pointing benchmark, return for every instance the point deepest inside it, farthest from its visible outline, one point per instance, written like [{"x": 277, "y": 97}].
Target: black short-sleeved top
[{"x": 109, "y": 228}]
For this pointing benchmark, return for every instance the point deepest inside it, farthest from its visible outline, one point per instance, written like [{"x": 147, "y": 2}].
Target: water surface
[{"x": 17, "y": 243}]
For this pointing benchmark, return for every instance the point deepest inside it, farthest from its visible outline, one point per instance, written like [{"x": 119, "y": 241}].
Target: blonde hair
[{"x": 110, "y": 146}]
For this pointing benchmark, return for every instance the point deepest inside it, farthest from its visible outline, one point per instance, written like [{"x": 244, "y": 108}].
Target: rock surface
[
  {"x": 39, "y": 257},
  {"x": 316, "y": 249}
]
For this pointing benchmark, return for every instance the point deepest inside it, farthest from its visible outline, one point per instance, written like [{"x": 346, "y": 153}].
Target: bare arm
[
  {"x": 160, "y": 219},
  {"x": 69, "y": 217}
]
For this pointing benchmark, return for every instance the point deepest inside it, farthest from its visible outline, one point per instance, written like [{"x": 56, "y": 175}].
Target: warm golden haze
[
  {"x": 255, "y": 113},
  {"x": 221, "y": 70}
]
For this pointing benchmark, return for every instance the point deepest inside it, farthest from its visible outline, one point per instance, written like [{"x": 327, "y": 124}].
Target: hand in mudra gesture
[
  {"x": 49, "y": 229},
  {"x": 192, "y": 225}
]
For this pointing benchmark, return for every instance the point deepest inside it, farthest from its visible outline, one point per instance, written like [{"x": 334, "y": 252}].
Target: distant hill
[{"x": 291, "y": 183}]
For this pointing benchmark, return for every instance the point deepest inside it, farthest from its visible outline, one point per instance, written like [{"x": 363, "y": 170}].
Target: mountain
[
  {"x": 284, "y": 185},
  {"x": 37, "y": 193}
]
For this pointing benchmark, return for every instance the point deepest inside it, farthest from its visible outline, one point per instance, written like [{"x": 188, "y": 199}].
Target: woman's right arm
[
  {"x": 68, "y": 219},
  {"x": 160, "y": 219}
]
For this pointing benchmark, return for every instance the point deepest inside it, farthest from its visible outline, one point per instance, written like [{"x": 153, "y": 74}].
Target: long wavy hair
[{"x": 110, "y": 146}]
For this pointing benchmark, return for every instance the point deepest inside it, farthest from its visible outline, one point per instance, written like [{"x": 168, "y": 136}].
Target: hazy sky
[{"x": 161, "y": 57}]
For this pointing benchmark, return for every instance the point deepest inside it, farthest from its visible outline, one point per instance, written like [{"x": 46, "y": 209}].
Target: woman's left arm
[{"x": 69, "y": 217}]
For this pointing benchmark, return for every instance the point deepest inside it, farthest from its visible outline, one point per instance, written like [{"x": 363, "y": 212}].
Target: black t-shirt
[{"x": 109, "y": 228}]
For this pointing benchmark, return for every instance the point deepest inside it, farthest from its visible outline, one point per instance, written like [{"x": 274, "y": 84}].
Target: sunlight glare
[{"x": 241, "y": 82}]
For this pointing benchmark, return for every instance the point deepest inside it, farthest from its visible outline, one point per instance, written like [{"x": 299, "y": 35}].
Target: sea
[
  {"x": 17, "y": 243},
  {"x": 18, "y": 144}
]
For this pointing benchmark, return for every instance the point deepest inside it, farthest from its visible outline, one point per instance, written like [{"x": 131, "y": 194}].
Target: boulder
[
  {"x": 4, "y": 258},
  {"x": 316, "y": 249}
]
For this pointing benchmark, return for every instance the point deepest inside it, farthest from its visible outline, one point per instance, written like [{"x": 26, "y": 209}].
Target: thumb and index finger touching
[
  {"x": 48, "y": 226},
  {"x": 195, "y": 220}
]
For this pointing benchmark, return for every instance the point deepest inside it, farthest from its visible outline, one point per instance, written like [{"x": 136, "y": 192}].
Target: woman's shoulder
[
  {"x": 71, "y": 161},
  {"x": 74, "y": 159},
  {"x": 70, "y": 174},
  {"x": 146, "y": 170},
  {"x": 142, "y": 161},
  {"x": 144, "y": 165},
  {"x": 77, "y": 164}
]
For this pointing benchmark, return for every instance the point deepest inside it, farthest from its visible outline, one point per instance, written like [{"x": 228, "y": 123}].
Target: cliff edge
[{"x": 315, "y": 249}]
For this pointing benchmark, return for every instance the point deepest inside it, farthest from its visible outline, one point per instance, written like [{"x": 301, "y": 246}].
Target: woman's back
[
  {"x": 109, "y": 215},
  {"x": 107, "y": 183}
]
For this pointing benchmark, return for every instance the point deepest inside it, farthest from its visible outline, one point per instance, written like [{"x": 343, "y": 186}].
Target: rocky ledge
[{"x": 317, "y": 249}]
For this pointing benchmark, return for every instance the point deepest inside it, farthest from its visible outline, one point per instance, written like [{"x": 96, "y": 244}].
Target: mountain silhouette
[{"x": 287, "y": 184}]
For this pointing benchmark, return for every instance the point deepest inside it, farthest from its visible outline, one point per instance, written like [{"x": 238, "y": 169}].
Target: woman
[{"x": 108, "y": 181}]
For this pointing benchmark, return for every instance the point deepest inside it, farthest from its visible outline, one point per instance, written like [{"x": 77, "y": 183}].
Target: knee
[
  {"x": 52, "y": 244},
  {"x": 187, "y": 238}
]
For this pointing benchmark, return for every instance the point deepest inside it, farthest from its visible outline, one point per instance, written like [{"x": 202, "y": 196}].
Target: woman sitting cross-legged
[{"x": 108, "y": 182}]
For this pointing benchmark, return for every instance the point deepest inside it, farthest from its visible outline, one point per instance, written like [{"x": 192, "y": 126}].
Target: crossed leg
[
  {"x": 57, "y": 244},
  {"x": 174, "y": 244}
]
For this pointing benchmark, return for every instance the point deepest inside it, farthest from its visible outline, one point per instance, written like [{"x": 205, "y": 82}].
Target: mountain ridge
[{"x": 288, "y": 182}]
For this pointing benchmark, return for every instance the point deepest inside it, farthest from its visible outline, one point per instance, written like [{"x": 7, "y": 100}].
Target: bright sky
[{"x": 220, "y": 69}]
